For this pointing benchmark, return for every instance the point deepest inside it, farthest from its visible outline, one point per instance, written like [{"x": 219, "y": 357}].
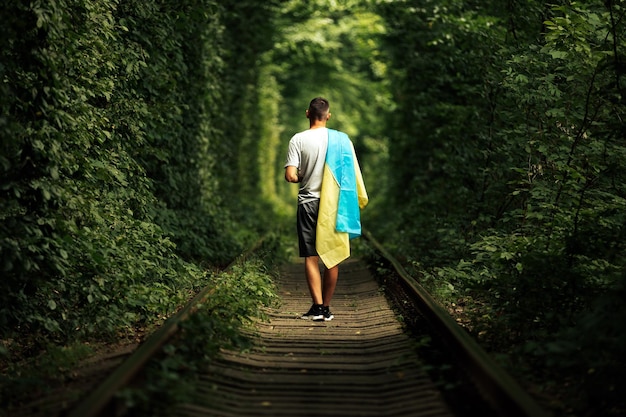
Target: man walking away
[{"x": 330, "y": 197}]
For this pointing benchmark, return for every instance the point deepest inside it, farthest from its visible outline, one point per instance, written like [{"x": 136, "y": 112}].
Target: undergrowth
[
  {"x": 569, "y": 362},
  {"x": 222, "y": 321}
]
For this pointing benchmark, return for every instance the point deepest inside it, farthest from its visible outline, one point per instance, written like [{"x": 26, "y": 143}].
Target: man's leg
[
  {"x": 314, "y": 278},
  {"x": 330, "y": 282}
]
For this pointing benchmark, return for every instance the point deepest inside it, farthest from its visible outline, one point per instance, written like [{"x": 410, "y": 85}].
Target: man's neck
[{"x": 317, "y": 124}]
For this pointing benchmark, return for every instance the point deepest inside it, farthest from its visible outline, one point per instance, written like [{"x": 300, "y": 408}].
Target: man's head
[{"x": 318, "y": 109}]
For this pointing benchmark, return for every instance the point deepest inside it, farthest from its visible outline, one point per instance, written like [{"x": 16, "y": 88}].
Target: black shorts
[{"x": 306, "y": 224}]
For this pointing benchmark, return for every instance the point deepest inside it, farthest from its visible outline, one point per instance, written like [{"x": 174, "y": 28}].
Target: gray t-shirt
[{"x": 307, "y": 152}]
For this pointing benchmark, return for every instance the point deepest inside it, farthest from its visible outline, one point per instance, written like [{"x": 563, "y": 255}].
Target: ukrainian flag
[{"x": 342, "y": 197}]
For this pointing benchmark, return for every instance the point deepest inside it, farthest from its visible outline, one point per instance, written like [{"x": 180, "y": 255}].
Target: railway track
[
  {"x": 365, "y": 362},
  {"x": 360, "y": 364}
]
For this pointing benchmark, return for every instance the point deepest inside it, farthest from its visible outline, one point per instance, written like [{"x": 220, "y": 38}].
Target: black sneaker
[
  {"x": 328, "y": 316},
  {"x": 316, "y": 312}
]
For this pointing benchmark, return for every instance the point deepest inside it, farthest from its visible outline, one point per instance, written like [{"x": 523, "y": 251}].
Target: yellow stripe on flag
[{"x": 332, "y": 246}]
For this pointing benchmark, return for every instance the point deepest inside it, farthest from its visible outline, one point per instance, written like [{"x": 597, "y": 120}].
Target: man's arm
[{"x": 291, "y": 174}]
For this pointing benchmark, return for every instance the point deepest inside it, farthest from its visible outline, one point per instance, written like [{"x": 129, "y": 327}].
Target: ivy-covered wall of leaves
[
  {"x": 113, "y": 149},
  {"x": 508, "y": 145}
]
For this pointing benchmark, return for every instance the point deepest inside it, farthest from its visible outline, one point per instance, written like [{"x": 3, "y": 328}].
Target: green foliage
[
  {"x": 249, "y": 33},
  {"x": 222, "y": 321},
  {"x": 119, "y": 139},
  {"x": 113, "y": 130},
  {"x": 510, "y": 167}
]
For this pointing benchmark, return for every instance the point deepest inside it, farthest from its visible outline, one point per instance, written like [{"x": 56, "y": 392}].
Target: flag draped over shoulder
[{"x": 342, "y": 197}]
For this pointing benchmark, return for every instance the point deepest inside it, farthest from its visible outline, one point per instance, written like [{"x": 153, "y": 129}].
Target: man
[{"x": 316, "y": 159}]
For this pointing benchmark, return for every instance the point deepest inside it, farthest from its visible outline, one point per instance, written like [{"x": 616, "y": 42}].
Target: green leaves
[
  {"x": 508, "y": 168},
  {"x": 239, "y": 297},
  {"x": 109, "y": 191}
]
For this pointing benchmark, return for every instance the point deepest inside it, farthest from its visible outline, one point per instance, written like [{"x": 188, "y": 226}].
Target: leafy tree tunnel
[{"x": 142, "y": 144}]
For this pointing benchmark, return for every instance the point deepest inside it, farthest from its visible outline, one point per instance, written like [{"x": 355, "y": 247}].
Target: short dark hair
[{"x": 318, "y": 108}]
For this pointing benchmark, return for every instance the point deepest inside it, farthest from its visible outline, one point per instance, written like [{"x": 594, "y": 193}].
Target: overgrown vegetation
[
  {"x": 116, "y": 124},
  {"x": 222, "y": 321},
  {"x": 113, "y": 128},
  {"x": 509, "y": 188}
]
